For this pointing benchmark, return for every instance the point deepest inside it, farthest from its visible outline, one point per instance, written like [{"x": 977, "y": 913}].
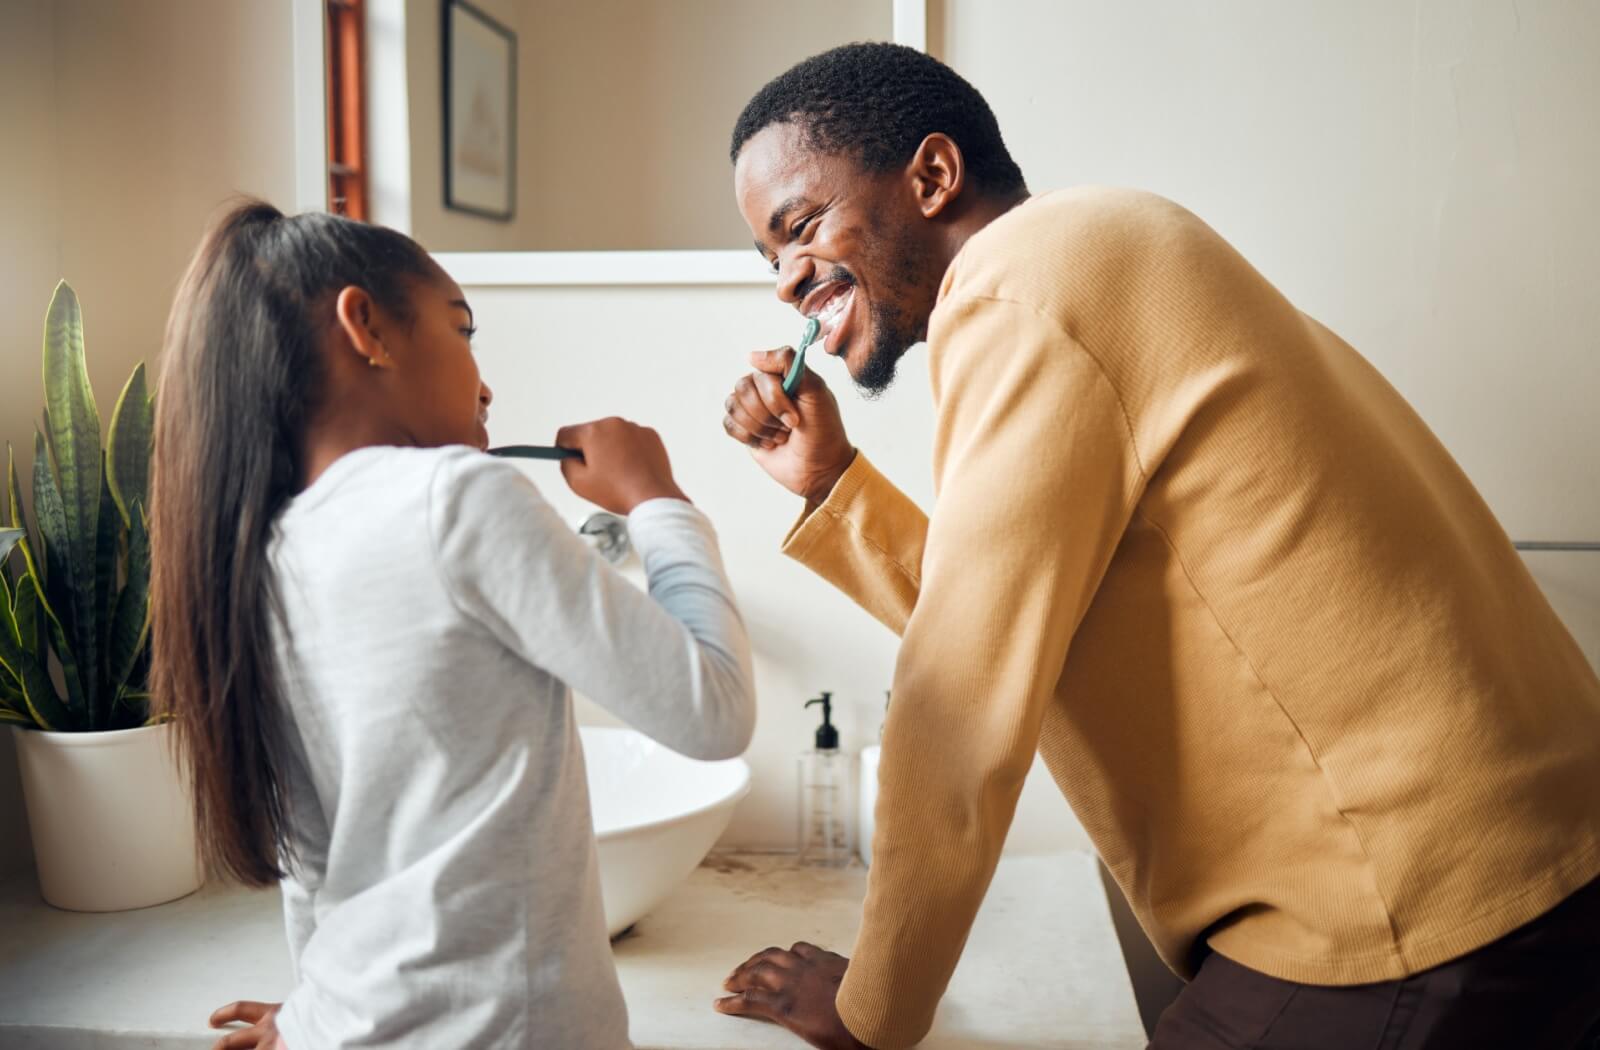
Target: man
[{"x": 1315, "y": 714}]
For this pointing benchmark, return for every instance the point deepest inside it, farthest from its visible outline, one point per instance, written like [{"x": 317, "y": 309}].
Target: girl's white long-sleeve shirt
[{"x": 435, "y": 614}]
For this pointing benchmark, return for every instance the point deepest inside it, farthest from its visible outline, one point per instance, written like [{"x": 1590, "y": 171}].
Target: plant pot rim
[{"x": 99, "y": 738}]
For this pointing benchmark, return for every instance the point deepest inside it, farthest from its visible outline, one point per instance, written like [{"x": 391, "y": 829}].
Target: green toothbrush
[
  {"x": 536, "y": 452},
  {"x": 792, "y": 380}
]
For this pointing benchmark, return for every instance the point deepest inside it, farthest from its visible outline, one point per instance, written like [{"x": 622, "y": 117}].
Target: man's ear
[
  {"x": 938, "y": 173},
  {"x": 357, "y": 317}
]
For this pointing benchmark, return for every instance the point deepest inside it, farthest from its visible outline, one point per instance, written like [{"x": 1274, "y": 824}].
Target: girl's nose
[{"x": 485, "y": 395}]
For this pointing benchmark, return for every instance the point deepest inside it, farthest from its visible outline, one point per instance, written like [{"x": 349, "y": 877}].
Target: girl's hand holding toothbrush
[{"x": 623, "y": 464}]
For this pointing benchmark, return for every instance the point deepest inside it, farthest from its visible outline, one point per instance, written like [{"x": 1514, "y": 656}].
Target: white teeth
[{"x": 830, "y": 315}]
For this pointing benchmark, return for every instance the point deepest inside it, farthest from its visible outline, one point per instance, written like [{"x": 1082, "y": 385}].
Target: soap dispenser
[{"x": 824, "y": 796}]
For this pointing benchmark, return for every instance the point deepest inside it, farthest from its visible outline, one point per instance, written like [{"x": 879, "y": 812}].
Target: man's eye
[{"x": 801, "y": 226}]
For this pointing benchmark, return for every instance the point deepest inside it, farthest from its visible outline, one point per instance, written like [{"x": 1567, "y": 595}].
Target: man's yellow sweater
[{"x": 1276, "y": 651}]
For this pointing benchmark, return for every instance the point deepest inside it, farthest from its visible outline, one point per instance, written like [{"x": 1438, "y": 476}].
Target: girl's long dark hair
[{"x": 241, "y": 377}]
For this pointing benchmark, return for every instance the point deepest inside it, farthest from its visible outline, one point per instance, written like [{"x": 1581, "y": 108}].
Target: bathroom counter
[{"x": 1042, "y": 969}]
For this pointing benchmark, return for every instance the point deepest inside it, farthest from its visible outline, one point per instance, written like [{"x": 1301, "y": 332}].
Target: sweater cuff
[
  {"x": 814, "y": 525},
  {"x": 871, "y": 1027}
]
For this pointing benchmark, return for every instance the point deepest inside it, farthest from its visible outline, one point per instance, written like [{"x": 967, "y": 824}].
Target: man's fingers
[
  {"x": 774, "y": 958},
  {"x": 765, "y": 407},
  {"x": 246, "y": 1010},
  {"x": 777, "y": 404},
  {"x": 807, "y": 950},
  {"x": 757, "y": 1003},
  {"x": 750, "y": 424},
  {"x": 741, "y": 435},
  {"x": 764, "y": 974},
  {"x": 773, "y": 362}
]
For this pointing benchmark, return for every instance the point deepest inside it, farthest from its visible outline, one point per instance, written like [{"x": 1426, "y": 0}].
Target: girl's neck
[{"x": 328, "y": 442}]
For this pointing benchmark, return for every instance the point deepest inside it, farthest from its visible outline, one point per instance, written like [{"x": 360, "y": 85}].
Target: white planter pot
[{"x": 111, "y": 819}]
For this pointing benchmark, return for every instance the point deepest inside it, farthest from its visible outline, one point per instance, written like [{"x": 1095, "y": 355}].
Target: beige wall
[
  {"x": 119, "y": 135},
  {"x": 29, "y": 254}
]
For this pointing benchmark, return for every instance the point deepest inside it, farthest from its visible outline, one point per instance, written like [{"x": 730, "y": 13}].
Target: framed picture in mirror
[{"x": 480, "y": 113}]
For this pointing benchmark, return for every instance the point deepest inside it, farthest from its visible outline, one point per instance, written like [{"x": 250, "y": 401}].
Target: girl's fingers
[
  {"x": 247, "y": 1011},
  {"x": 243, "y": 1039}
]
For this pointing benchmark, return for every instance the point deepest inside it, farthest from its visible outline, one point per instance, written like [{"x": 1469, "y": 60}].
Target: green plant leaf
[
  {"x": 107, "y": 557},
  {"x": 8, "y": 716},
  {"x": 11, "y": 693},
  {"x": 58, "y": 596},
  {"x": 9, "y": 538},
  {"x": 72, "y": 426},
  {"x": 130, "y": 623},
  {"x": 51, "y": 521},
  {"x": 14, "y": 517},
  {"x": 28, "y": 617},
  {"x": 13, "y": 490},
  {"x": 8, "y": 629},
  {"x": 128, "y": 445},
  {"x": 132, "y": 711},
  {"x": 11, "y": 652},
  {"x": 44, "y": 703}
]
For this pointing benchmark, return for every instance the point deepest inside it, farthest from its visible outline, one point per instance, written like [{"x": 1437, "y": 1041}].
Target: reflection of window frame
[{"x": 345, "y": 65}]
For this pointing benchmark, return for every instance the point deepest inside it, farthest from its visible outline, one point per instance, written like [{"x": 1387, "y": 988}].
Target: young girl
[{"x": 365, "y": 631}]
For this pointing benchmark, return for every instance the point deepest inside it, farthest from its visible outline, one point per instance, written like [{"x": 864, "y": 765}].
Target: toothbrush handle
[
  {"x": 791, "y": 382},
  {"x": 535, "y": 452}
]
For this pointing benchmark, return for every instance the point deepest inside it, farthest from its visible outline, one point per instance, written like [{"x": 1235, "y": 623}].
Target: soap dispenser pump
[{"x": 824, "y": 790}]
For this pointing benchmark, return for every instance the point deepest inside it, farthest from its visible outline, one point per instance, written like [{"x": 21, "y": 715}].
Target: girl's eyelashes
[{"x": 469, "y": 332}]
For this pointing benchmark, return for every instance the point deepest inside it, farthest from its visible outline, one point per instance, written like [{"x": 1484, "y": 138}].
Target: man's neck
[{"x": 977, "y": 214}]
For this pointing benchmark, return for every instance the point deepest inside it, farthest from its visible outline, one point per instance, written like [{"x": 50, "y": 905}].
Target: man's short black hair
[{"x": 878, "y": 102}]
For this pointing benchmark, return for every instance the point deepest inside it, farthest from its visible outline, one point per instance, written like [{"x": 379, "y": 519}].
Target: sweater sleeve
[
  {"x": 1037, "y": 478},
  {"x": 866, "y": 539},
  {"x": 674, "y": 663}
]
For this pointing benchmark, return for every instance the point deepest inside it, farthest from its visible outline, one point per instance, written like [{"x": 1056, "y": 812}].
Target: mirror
[{"x": 614, "y": 137}]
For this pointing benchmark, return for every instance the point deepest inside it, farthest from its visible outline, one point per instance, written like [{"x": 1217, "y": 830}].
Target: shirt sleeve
[
  {"x": 1037, "y": 477},
  {"x": 674, "y": 663},
  {"x": 299, "y": 919}
]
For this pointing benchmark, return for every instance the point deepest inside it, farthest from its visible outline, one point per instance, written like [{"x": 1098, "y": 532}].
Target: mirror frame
[{"x": 528, "y": 268}]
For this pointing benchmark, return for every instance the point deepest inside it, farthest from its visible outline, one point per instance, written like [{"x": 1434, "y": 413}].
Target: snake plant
[{"x": 75, "y": 607}]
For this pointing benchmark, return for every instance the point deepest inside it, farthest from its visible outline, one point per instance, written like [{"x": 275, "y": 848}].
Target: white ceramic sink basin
[{"x": 656, "y": 815}]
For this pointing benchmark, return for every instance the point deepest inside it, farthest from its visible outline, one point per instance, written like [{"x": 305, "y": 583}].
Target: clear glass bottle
[{"x": 825, "y": 796}]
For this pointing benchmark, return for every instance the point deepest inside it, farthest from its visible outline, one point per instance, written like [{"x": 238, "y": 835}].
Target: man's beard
[
  {"x": 896, "y": 329},
  {"x": 892, "y": 337}
]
